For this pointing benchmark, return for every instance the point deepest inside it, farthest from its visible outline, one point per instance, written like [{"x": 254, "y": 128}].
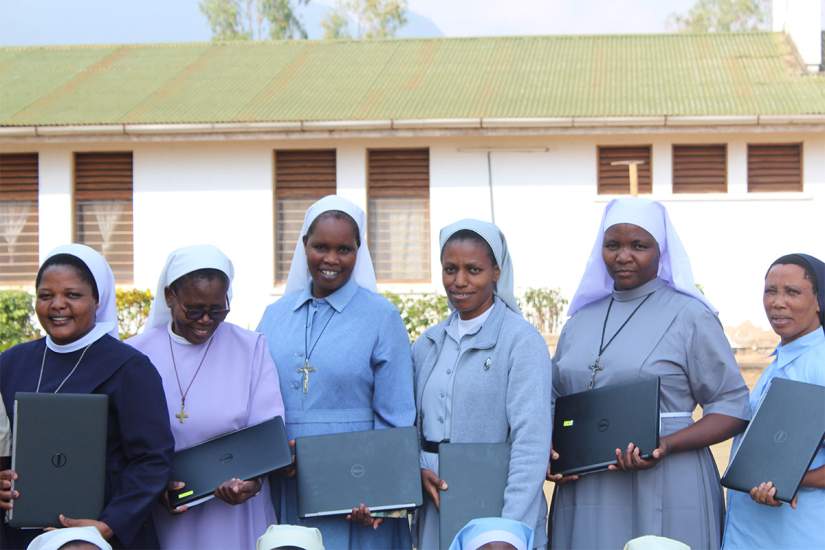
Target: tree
[
  {"x": 722, "y": 16},
  {"x": 254, "y": 19},
  {"x": 373, "y": 18}
]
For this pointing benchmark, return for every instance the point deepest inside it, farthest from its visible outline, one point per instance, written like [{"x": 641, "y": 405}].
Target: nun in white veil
[
  {"x": 342, "y": 353},
  {"x": 638, "y": 314}
]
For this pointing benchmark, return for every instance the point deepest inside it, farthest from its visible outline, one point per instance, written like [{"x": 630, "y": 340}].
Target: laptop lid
[
  {"x": 59, "y": 454},
  {"x": 337, "y": 472},
  {"x": 247, "y": 453},
  {"x": 476, "y": 475},
  {"x": 589, "y": 426},
  {"x": 781, "y": 440}
]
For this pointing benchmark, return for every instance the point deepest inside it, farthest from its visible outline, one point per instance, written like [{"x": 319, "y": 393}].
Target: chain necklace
[
  {"x": 71, "y": 372},
  {"x": 596, "y": 367},
  {"x": 181, "y": 416},
  {"x": 307, "y": 368}
]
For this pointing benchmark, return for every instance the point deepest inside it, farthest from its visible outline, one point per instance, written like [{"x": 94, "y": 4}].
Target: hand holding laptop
[
  {"x": 361, "y": 514},
  {"x": 7, "y": 494},
  {"x": 764, "y": 493},
  {"x": 432, "y": 485},
  {"x": 558, "y": 479},
  {"x": 632, "y": 460},
  {"x": 103, "y": 528}
]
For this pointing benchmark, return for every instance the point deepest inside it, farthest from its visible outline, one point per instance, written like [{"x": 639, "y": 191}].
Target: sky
[{"x": 37, "y": 22}]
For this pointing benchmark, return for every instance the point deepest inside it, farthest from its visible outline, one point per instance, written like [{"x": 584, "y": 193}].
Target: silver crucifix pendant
[{"x": 594, "y": 368}]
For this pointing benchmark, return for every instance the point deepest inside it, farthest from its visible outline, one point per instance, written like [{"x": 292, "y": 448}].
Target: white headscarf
[
  {"x": 479, "y": 532},
  {"x": 674, "y": 265},
  {"x": 363, "y": 272},
  {"x": 179, "y": 263},
  {"x": 106, "y": 313},
  {"x": 495, "y": 238},
  {"x": 53, "y": 540},
  {"x": 278, "y": 536}
]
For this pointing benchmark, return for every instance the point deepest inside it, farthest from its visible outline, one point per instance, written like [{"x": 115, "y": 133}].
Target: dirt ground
[{"x": 751, "y": 366}]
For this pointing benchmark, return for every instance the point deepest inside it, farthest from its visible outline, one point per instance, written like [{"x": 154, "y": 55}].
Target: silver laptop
[
  {"x": 378, "y": 468},
  {"x": 59, "y": 454}
]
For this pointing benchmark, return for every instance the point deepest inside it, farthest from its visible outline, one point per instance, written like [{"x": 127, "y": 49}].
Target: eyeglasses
[{"x": 195, "y": 313}]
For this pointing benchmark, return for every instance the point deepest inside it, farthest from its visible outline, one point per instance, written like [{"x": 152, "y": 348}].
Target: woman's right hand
[
  {"x": 764, "y": 493},
  {"x": 7, "y": 495},
  {"x": 432, "y": 485},
  {"x": 164, "y": 497},
  {"x": 289, "y": 471},
  {"x": 558, "y": 479}
]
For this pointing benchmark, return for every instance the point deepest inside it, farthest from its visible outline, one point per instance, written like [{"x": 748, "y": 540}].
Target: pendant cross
[
  {"x": 181, "y": 416},
  {"x": 305, "y": 370},
  {"x": 594, "y": 368}
]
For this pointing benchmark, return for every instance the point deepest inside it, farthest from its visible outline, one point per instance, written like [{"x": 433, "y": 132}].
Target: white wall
[
  {"x": 802, "y": 20},
  {"x": 545, "y": 202}
]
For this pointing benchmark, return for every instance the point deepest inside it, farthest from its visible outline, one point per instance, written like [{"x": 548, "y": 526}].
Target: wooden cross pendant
[
  {"x": 181, "y": 416},
  {"x": 595, "y": 368},
  {"x": 305, "y": 370}
]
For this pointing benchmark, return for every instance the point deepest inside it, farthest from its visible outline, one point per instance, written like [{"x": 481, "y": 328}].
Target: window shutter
[
  {"x": 103, "y": 208},
  {"x": 301, "y": 178},
  {"x": 19, "y": 250},
  {"x": 700, "y": 168},
  {"x": 398, "y": 189},
  {"x": 615, "y": 179},
  {"x": 775, "y": 167}
]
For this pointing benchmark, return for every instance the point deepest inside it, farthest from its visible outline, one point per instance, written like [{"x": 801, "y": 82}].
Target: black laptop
[
  {"x": 59, "y": 454},
  {"x": 243, "y": 454},
  {"x": 589, "y": 426},
  {"x": 781, "y": 440},
  {"x": 337, "y": 472},
  {"x": 476, "y": 476}
]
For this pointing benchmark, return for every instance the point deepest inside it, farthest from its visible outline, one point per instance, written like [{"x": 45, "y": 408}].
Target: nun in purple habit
[{"x": 217, "y": 378}]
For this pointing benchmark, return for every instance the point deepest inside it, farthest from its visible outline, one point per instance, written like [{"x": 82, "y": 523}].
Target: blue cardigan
[{"x": 510, "y": 400}]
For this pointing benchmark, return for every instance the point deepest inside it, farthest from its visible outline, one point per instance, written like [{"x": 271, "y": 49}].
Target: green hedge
[
  {"x": 544, "y": 308},
  {"x": 132, "y": 310},
  {"x": 16, "y": 318},
  {"x": 419, "y": 311}
]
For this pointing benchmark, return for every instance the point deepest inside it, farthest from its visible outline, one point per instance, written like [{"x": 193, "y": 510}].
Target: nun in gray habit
[
  {"x": 638, "y": 314},
  {"x": 483, "y": 375}
]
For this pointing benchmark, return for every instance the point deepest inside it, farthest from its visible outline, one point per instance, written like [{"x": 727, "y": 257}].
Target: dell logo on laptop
[
  {"x": 228, "y": 457},
  {"x": 357, "y": 470},
  {"x": 59, "y": 460},
  {"x": 603, "y": 425},
  {"x": 780, "y": 437}
]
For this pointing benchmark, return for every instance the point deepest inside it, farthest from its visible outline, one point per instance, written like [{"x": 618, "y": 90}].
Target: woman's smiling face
[
  {"x": 65, "y": 304},
  {"x": 790, "y": 302}
]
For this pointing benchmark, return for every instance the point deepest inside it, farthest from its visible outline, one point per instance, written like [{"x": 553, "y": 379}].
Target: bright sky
[{"x": 24, "y": 22}]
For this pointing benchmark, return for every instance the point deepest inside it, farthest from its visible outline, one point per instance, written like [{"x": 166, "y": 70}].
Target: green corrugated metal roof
[{"x": 553, "y": 76}]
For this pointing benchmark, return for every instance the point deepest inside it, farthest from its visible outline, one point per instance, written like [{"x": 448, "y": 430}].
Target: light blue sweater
[{"x": 502, "y": 392}]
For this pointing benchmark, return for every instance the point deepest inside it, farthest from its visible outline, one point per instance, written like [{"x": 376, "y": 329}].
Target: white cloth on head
[
  {"x": 279, "y": 536},
  {"x": 53, "y": 540},
  {"x": 179, "y": 263},
  {"x": 652, "y": 542},
  {"x": 495, "y": 238},
  {"x": 481, "y": 531},
  {"x": 674, "y": 265},
  {"x": 106, "y": 313},
  {"x": 363, "y": 272}
]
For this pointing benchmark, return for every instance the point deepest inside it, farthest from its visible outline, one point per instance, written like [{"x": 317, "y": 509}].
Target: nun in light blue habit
[
  {"x": 343, "y": 357},
  {"x": 479, "y": 532}
]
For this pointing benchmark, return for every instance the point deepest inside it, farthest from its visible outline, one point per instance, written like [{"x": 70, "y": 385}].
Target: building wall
[{"x": 544, "y": 198}]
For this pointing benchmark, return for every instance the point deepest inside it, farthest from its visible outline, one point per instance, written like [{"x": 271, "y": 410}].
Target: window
[
  {"x": 614, "y": 179},
  {"x": 700, "y": 168},
  {"x": 398, "y": 191},
  {"x": 775, "y": 167},
  {"x": 19, "y": 254},
  {"x": 301, "y": 178},
  {"x": 103, "y": 208}
]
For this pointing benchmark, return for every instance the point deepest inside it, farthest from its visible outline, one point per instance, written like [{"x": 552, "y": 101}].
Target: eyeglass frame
[{"x": 218, "y": 315}]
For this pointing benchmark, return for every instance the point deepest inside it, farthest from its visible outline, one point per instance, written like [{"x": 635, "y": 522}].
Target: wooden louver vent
[
  {"x": 301, "y": 178},
  {"x": 775, "y": 167},
  {"x": 615, "y": 179},
  {"x": 103, "y": 208},
  {"x": 398, "y": 188},
  {"x": 19, "y": 250},
  {"x": 700, "y": 168}
]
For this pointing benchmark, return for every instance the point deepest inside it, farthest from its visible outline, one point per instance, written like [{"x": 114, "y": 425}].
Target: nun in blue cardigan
[
  {"x": 483, "y": 375},
  {"x": 75, "y": 304},
  {"x": 343, "y": 358}
]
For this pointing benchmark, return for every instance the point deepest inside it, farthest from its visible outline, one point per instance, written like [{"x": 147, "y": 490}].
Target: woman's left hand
[
  {"x": 105, "y": 531},
  {"x": 236, "y": 491},
  {"x": 631, "y": 460},
  {"x": 362, "y": 515},
  {"x": 764, "y": 493}
]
